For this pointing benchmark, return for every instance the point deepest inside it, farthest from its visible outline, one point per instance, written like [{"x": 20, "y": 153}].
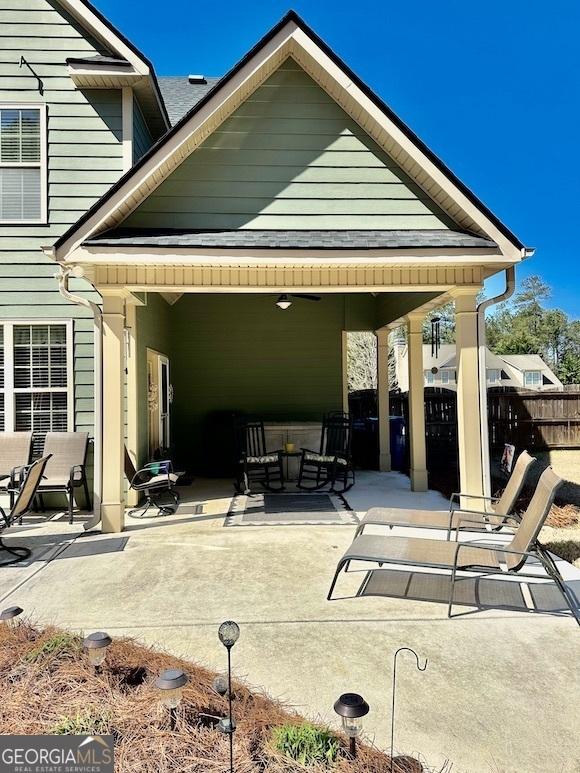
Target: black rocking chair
[
  {"x": 333, "y": 462},
  {"x": 31, "y": 478},
  {"x": 255, "y": 464}
]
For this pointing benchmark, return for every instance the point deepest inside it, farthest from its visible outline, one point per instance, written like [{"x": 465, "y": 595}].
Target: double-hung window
[
  {"x": 493, "y": 375},
  {"x": 447, "y": 376},
  {"x": 532, "y": 378},
  {"x": 22, "y": 164},
  {"x": 36, "y": 377}
]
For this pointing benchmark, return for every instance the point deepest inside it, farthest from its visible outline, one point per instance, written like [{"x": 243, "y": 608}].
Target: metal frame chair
[
  {"x": 15, "y": 451},
  {"x": 255, "y": 463},
  {"x": 501, "y": 512},
  {"x": 483, "y": 558},
  {"x": 31, "y": 478},
  {"x": 66, "y": 470},
  {"x": 153, "y": 480},
  {"x": 333, "y": 462}
]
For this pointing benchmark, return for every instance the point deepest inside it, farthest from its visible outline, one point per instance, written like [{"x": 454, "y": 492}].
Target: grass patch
[
  {"x": 59, "y": 644},
  {"x": 88, "y": 722},
  {"x": 306, "y": 744}
]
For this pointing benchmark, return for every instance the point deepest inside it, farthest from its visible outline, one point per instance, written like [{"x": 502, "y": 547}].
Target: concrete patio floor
[{"x": 501, "y": 689}]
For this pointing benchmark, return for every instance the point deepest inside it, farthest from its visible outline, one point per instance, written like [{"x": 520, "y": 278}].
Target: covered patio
[{"x": 170, "y": 581}]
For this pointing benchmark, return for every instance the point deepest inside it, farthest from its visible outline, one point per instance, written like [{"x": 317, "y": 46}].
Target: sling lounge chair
[
  {"x": 500, "y": 514},
  {"x": 478, "y": 557},
  {"x": 31, "y": 479},
  {"x": 66, "y": 470},
  {"x": 14, "y": 456}
]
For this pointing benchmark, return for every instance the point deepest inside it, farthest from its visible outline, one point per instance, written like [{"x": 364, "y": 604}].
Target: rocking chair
[
  {"x": 333, "y": 462},
  {"x": 256, "y": 464}
]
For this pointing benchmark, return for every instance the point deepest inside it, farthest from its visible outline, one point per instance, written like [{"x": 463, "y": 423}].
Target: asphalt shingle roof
[
  {"x": 354, "y": 240},
  {"x": 180, "y": 95}
]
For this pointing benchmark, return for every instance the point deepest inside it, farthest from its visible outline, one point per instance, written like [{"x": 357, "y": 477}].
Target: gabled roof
[
  {"x": 292, "y": 37},
  {"x": 124, "y": 51}
]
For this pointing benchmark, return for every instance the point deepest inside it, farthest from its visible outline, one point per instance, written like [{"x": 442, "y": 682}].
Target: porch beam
[
  {"x": 113, "y": 504},
  {"x": 383, "y": 399},
  {"x": 468, "y": 386},
  {"x": 417, "y": 445}
]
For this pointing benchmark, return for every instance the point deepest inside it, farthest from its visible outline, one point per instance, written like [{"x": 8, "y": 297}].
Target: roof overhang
[
  {"x": 103, "y": 76},
  {"x": 142, "y": 73},
  {"x": 292, "y": 38}
]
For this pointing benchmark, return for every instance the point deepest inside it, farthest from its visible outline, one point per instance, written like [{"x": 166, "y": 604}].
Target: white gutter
[
  {"x": 510, "y": 286},
  {"x": 63, "y": 279}
]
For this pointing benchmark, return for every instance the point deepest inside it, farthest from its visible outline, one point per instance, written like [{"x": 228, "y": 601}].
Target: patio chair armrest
[
  {"x": 491, "y": 546},
  {"x": 457, "y": 494},
  {"x": 162, "y": 463},
  {"x": 17, "y": 473},
  {"x": 76, "y": 468}
]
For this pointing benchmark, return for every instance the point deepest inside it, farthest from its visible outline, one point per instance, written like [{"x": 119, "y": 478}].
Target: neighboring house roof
[
  {"x": 447, "y": 358},
  {"x": 303, "y": 239},
  {"x": 525, "y": 361},
  {"x": 180, "y": 95},
  {"x": 99, "y": 26},
  {"x": 292, "y": 37}
]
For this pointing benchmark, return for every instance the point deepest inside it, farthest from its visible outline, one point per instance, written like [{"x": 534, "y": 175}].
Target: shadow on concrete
[{"x": 479, "y": 592}]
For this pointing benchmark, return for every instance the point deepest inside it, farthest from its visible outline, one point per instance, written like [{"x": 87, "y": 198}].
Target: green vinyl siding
[
  {"x": 142, "y": 139},
  {"x": 288, "y": 158},
  {"x": 84, "y": 160}
]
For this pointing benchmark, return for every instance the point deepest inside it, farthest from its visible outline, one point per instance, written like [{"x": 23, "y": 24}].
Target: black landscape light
[
  {"x": 96, "y": 645},
  {"x": 229, "y": 633},
  {"x": 170, "y": 684},
  {"x": 10, "y": 615},
  {"x": 352, "y": 708}
]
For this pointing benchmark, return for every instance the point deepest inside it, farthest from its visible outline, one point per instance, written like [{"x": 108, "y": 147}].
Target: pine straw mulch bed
[{"x": 46, "y": 682}]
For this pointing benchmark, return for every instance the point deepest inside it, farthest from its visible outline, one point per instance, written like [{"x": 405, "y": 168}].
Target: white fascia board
[
  {"x": 431, "y": 258},
  {"x": 102, "y": 31}
]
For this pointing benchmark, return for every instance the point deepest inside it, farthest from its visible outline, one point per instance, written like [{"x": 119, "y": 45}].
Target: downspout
[
  {"x": 510, "y": 286},
  {"x": 63, "y": 280}
]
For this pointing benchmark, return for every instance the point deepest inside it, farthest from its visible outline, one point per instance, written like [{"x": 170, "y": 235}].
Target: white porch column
[
  {"x": 132, "y": 394},
  {"x": 113, "y": 504},
  {"x": 383, "y": 399},
  {"x": 418, "y": 454},
  {"x": 468, "y": 406}
]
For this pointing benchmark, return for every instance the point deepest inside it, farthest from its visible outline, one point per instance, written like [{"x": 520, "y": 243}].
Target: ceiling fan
[{"x": 284, "y": 301}]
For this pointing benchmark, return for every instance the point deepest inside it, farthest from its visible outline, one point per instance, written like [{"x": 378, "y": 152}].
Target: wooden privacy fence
[{"x": 532, "y": 420}]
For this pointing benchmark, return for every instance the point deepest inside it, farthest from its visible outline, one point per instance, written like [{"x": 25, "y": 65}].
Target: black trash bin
[{"x": 398, "y": 442}]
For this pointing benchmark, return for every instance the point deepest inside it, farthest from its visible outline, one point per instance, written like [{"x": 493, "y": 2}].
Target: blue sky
[{"x": 491, "y": 86}]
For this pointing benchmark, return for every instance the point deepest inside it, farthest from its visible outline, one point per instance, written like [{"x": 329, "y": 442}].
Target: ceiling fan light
[{"x": 283, "y": 302}]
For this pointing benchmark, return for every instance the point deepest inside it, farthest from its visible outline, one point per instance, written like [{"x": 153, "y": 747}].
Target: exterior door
[{"x": 159, "y": 402}]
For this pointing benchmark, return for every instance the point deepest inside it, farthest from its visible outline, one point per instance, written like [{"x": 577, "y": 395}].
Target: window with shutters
[
  {"x": 22, "y": 164},
  {"x": 36, "y": 376}
]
